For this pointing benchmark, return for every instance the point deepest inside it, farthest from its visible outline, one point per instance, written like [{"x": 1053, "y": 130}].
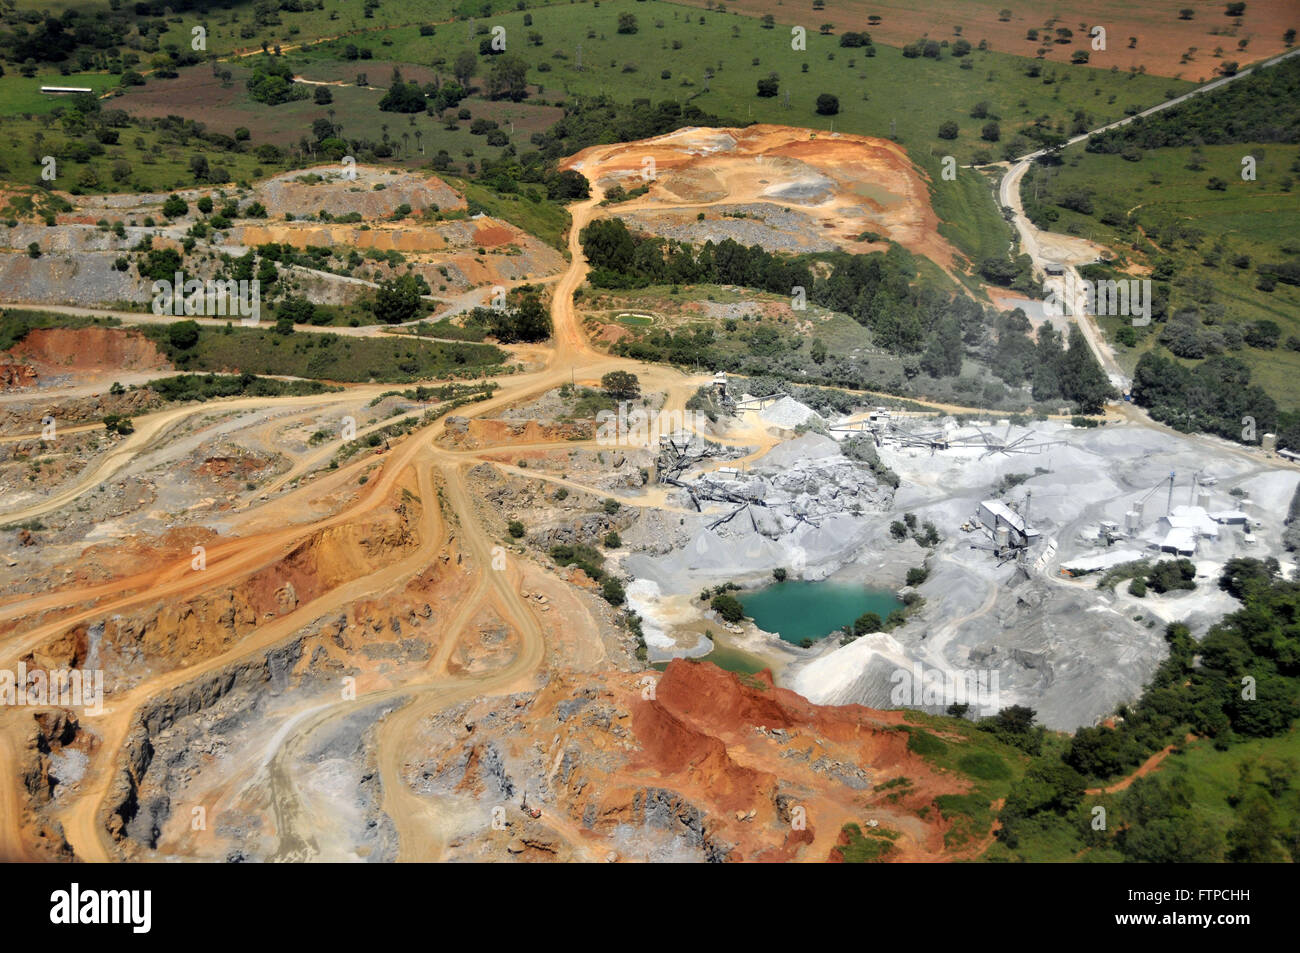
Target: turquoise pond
[{"x": 798, "y": 610}]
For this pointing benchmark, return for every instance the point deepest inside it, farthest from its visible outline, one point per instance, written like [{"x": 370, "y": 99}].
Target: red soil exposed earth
[
  {"x": 736, "y": 743},
  {"x": 1162, "y": 35},
  {"x": 61, "y": 350},
  {"x": 845, "y": 184}
]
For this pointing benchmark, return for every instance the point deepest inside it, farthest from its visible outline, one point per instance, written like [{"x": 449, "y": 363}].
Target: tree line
[
  {"x": 1211, "y": 397},
  {"x": 1262, "y": 107},
  {"x": 881, "y": 291}
]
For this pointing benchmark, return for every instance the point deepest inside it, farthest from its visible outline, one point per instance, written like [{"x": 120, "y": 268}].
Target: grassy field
[
  {"x": 327, "y": 357},
  {"x": 969, "y": 216},
  {"x": 957, "y": 746},
  {"x": 1216, "y": 776},
  {"x": 158, "y": 160},
  {"x": 227, "y": 25},
  {"x": 20, "y": 95},
  {"x": 547, "y": 220},
  {"x": 575, "y": 48},
  {"x": 1175, "y": 216},
  {"x": 1159, "y": 35},
  {"x": 915, "y": 95},
  {"x": 888, "y": 94}
]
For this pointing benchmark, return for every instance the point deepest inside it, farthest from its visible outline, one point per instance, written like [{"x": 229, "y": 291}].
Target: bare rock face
[{"x": 14, "y": 376}]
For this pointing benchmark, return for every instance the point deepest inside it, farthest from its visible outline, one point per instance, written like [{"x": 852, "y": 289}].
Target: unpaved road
[
  {"x": 421, "y": 831},
  {"x": 1038, "y": 244},
  {"x": 418, "y": 460}
]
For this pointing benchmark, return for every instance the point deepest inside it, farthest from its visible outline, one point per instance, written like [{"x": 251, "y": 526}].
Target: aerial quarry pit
[{"x": 490, "y": 608}]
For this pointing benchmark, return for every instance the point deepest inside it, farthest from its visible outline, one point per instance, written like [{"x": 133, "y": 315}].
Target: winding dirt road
[{"x": 447, "y": 518}]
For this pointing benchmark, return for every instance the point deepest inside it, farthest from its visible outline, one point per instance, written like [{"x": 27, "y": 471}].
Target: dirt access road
[
  {"x": 1044, "y": 247},
  {"x": 416, "y": 461},
  {"x": 449, "y": 521}
]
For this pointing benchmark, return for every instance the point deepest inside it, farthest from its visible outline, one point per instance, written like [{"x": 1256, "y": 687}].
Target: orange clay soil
[
  {"x": 708, "y": 734},
  {"x": 846, "y": 184},
  {"x": 89, "y": 349}
]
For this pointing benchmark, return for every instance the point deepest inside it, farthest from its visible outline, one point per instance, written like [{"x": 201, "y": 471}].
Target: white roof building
[
  {"x": 1192, "y": 518},
  {"x": 995, "y": 512},
  {"x": 1231, "y": 517},
  {"x": 1180, "y": 542}
]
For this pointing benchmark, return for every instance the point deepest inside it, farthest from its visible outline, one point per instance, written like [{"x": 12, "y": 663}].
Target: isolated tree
[
  {"x": 991, "y": 132},
  {"x": 463, "y": 67},
  {"x": 612, "y": 590},
  {"x": 296, "y": 310},
  {"x": 1186, "y": 13},
  {"x": 397, "y": 299},
  {"x": 768, "y": 87},
  {"x": 728, "y": 607},
  {"x": 867, "y": 623},
  {"x": 948, "y": 130},
  {"x": 626, "y": 23},
  {"x": 827, "y": 105},
  {"x": 508, "y": 79},
  {"x": 323, "y": 96},
  {"x": 183, "y": 335},
  {"x": 621, "y": 385},
  {"x": 403, "y": 98},
  {"x": 175, "y": 206}
]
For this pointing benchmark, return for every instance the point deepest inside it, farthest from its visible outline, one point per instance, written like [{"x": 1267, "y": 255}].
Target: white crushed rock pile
[{"x": 787, "y": 413}]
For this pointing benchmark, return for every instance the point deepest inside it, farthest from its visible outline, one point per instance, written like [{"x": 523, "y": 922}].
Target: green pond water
[
  {"x": 798, "y": 610},
  {"x": 728, "y": 659}
]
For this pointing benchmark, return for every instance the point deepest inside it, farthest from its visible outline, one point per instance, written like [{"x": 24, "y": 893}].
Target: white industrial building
[
  {"x": 1183, "y": 527},
  {"x": 994, "y": 513},
  {"x": 1179, "y": 541}
]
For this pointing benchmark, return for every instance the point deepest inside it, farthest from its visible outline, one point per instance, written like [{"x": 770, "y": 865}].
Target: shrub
[
  {"x": 183, "y": 335},
  {"x": 728, "y": 607},
  {"x": 613, "y": 591}
]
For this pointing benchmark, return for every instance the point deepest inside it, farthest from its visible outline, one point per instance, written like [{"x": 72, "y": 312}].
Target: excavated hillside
[{"x": 780, "y": 187}]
